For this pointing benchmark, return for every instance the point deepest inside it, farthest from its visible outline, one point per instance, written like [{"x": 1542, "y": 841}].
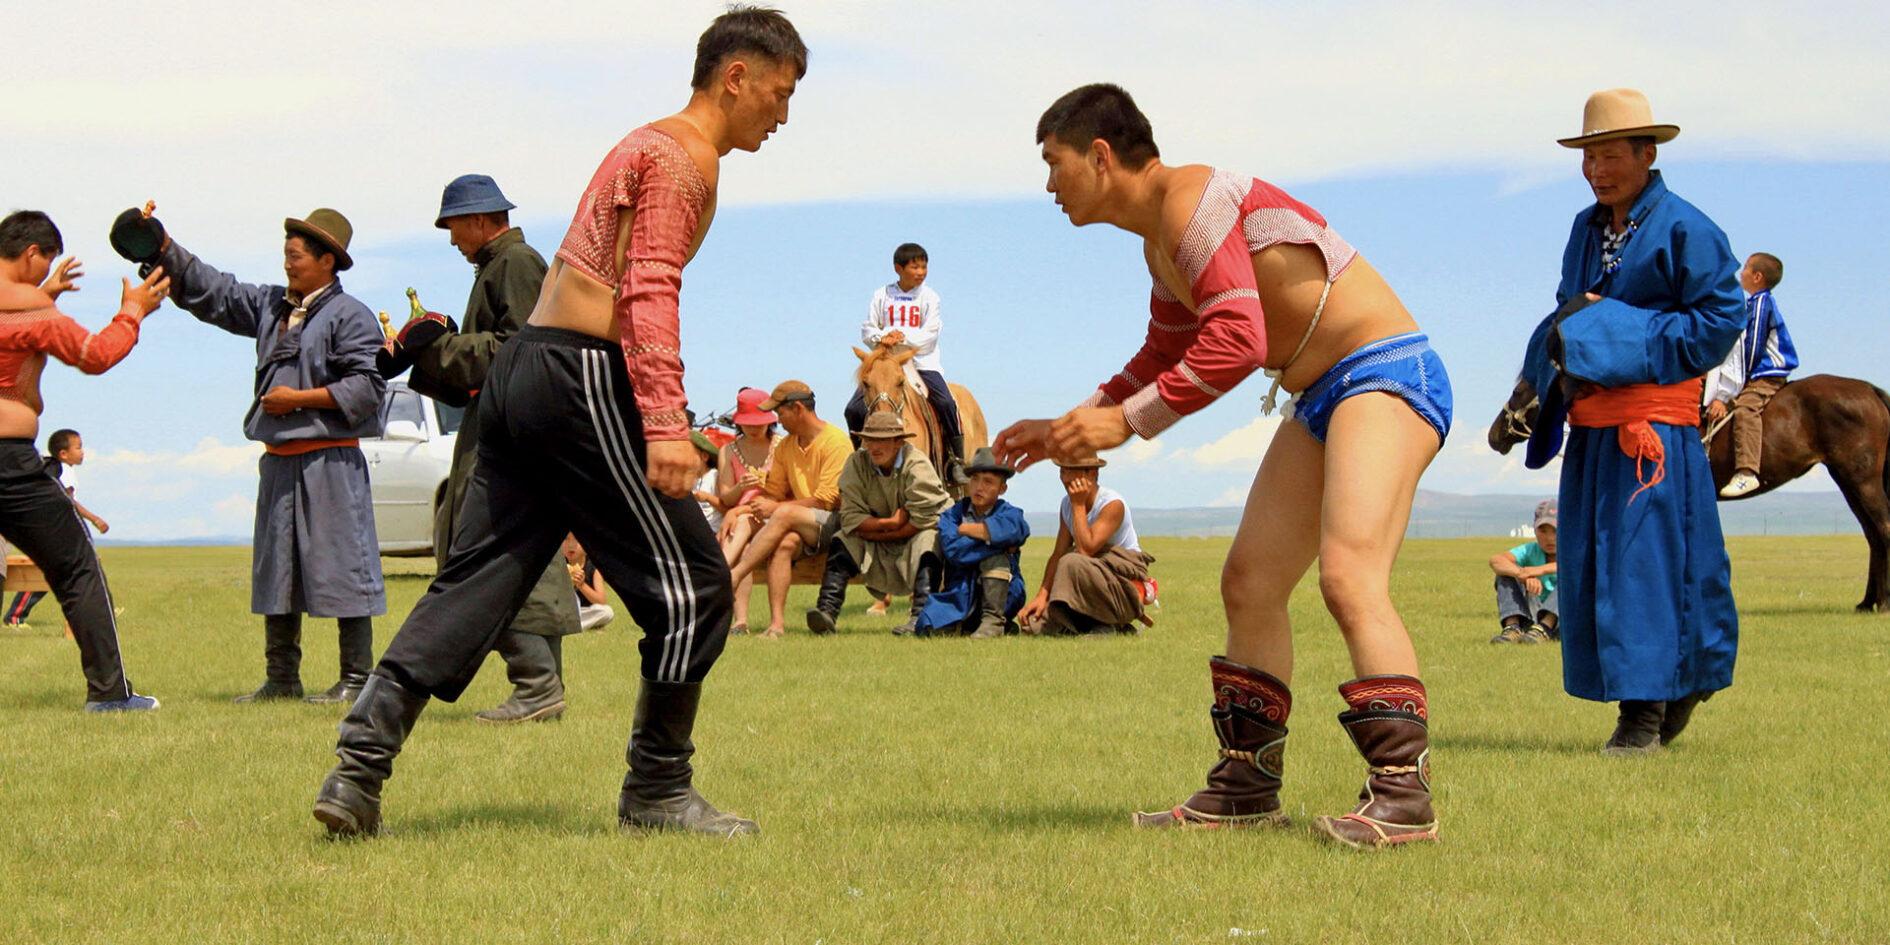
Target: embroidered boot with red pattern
[
  {"x": 1243, "y": 788},
  {"x": 1389, "y": 723}
]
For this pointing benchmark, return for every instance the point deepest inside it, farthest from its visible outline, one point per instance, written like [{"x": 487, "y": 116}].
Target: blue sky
[{"x": 1425, "y": 134}]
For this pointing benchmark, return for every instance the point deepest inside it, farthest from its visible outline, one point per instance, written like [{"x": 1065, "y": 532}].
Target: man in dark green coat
[{"x": 451, "y": 369}]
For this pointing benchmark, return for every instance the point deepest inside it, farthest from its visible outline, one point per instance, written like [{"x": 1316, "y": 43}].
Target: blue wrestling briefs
[{"x": 1403, "y": 365}]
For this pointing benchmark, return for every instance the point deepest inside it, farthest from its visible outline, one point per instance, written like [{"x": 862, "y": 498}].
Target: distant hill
[
  {"x": 1448, "y": 515},
  {"x": 1433, "y": 515}
]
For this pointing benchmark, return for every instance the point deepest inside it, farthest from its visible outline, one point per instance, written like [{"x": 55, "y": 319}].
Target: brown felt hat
[
  {"x": 786, "y": 392},
  {"x": 1087, "y": 462},
  {"x": 1618, "y": 113},
  {"x": 327, "y": 227},
  {"x": 883, "y": 426}
]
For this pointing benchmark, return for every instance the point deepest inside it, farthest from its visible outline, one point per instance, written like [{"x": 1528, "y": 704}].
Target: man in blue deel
[{"x": 1649, "y": 302}]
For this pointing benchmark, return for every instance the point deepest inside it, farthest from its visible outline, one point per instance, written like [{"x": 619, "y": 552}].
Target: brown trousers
[
  {"x": 1748, "y": 431},
  {"x": 1105, "y": 588}
]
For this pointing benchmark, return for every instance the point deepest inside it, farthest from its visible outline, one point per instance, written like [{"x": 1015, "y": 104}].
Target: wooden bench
[{"x": 24, "y": 575}]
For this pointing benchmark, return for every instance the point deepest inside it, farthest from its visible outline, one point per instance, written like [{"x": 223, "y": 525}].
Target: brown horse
[
  {"x": 1841, "y": 422},
  {"x": 883, "y": 384}
]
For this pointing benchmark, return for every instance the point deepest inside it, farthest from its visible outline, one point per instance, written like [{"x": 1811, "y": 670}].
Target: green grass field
[{"x": 951, "y": 791}]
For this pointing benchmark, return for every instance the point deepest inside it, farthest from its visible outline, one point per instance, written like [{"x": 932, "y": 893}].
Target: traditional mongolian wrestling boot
[
  {"x": 1389, "y": 723},
  {"x": 357, "y": 659},
  {"x": 282, "y": 651},
  {"x": 1243, "y": 788},
  {"x": 371, "y": 735},
  {"x": 657, "y": 793},
  {"x": 531, "y": 663},
  {"x": 1637, "y": 731},
  {"x": 993, "y": 594},
  {"x": 1679, "y": 713}
]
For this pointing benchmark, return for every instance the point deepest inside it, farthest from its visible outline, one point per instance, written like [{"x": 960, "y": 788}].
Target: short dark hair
[
  {"x": 1641, "y": 142},
  {"x": 1769, "y": 268},
  {"x": 27, "y": 228},
  {"x": 748, "y": 29},
  {"x": 907, "y": 253},
  {"x": 501, "y": 218},
  {"x": 1105, "y": 111},
  {"x": 60, "y": 441}
]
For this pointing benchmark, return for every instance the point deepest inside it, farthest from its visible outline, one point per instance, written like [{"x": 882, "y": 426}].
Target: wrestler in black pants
[
  {"x": 560, "y": 450},
  {"x": 38, "y": 518}
]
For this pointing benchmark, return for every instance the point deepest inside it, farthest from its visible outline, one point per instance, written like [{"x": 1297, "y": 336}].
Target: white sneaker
[{"x": 1741, "y": 484}]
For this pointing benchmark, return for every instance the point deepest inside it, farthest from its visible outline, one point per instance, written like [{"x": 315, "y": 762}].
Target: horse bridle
[{"x": 898, "y": 406}]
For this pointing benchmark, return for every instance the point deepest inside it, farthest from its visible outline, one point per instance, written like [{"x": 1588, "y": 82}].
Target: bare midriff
[
  {"x": 1360, "y": 309},
  {"x": 576, "y": 302},
  {"x": 20, "y": 420}
]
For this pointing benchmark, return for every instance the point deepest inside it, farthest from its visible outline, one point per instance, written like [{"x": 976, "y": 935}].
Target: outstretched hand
[
  {"x": 1087, "y": 431},
  {"x": 147, "y": 295},
  {"x": 64, "y": 277},
  {"x": 1022, "y": 444}
]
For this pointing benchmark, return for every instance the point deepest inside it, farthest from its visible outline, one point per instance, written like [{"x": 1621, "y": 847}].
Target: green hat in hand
[{"x": 138, "y": 236}]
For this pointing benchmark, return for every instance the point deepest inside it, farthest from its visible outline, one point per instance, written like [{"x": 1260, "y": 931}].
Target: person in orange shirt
[
  {"x": 36, "y": 515},
  {"x": 798, "y": 498}
]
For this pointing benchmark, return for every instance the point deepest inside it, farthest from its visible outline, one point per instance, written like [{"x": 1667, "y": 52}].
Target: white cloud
[
  {"x": 1136, "y": 452},
  {"x": 198, "y": 107},
  {"x": 1244, "y": 447},
  {"x": 1234, "y": 498}
]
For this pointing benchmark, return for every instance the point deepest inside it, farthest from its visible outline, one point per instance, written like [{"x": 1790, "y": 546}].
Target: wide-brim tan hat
[
  {"x": 329, "y": 228},
  {"x": 1084, "y": 462},
  {"x": 1618, "y": 113},
  {"x": 883, "y": 426}
]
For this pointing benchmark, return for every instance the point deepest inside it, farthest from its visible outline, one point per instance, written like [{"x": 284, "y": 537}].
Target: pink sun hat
[{"x": 748, "y": 410}]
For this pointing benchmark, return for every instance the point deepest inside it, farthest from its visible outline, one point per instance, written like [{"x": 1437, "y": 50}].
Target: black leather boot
[
  {"x": 922, "y": 578},
  {"x": 1243, "y": 788},
  {"x": 833, "y": 589},
  {"x": 282, "y": 653},
  {"x": 1679, "y": 712},
  {"x": 657, "y": 793},
  {"x": 531, "y": 663},
  {"x": 1637, "y": 730},
  {"x": 357, "y": 658},
  {"x": 993, "y": 594},
  {"x": 371, "y": 735}
]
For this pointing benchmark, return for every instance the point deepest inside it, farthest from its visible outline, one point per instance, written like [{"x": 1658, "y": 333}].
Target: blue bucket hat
[{"x": 471, "y": 193}]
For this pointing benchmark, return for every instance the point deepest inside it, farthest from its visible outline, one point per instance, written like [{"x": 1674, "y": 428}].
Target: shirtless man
[
  {"x": 583, "y": 431},
  {"x": 36, "y": 515},
  {"x": 1246, "y": 277}
]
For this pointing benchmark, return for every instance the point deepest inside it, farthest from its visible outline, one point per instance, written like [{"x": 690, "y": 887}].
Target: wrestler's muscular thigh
[
  {"x": 1276, "y": 543},
  {"x": 1376, "y": 448}
]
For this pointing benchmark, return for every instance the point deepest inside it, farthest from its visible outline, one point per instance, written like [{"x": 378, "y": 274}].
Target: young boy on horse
[
  {"x": 1753, "y": 371},
  {"x": 907, "y": 311}
]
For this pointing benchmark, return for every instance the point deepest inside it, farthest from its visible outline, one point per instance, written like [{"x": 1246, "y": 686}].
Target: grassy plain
[{"x": 952, "y": 791}]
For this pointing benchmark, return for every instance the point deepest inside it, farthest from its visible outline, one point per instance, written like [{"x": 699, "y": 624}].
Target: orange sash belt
[
  {"x": 298, "y": 447},
  {"x": 1632, "y": 410}
]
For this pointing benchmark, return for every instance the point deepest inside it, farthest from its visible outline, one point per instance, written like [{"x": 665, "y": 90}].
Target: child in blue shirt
[{"x": 1525, "y": 585}]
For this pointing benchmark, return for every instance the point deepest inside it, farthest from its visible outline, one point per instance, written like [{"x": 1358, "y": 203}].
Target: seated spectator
[
  {"x": 797, "y": 498},
  {"x": 1094, "y": 580},
  {"x": 1525, "y": 585},
  {"x": 890, "y": 499},
  {"x": 741, "y": 469},
  {"x": 593, "y": 613},
  {"x": 705, "y": 492},
  {"x": 980, "y": 539}
]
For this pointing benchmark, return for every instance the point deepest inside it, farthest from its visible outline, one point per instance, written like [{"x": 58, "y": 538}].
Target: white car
[{"x": 408, "y": 466}]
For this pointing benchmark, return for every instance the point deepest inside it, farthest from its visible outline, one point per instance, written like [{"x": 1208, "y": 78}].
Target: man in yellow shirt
[{"x": 798, "y": 498}]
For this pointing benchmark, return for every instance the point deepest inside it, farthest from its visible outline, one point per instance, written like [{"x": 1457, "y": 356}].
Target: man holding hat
[
  {"x": 1649, "y": 302},
  {"x": 1093, "y": 580},
  {"x": 317, "y": 393},
  {"x": 980, "y": 539},
  {"x": 890, "y": 500},
  {"x": 798, "y": 497},
  {"x": 451, "y": 367}
]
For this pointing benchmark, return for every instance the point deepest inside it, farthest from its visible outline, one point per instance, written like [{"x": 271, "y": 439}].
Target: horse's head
[
  {"x": 883, "y": 376},
  {"x": 1512, "y": 423}
]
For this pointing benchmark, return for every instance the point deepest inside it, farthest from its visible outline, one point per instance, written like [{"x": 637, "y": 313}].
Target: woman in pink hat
[{"x": 744, "y": 464}]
